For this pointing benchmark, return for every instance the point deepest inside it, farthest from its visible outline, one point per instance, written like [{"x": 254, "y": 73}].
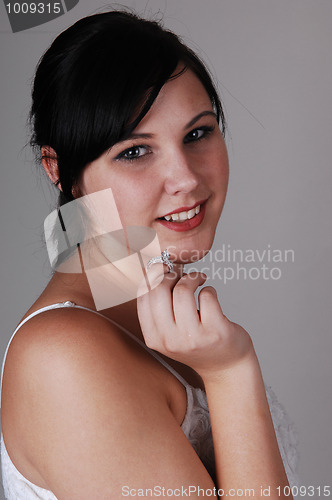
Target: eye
[
  {"x": 133, "y": 153},
  {"x": 198, "y": 133}
]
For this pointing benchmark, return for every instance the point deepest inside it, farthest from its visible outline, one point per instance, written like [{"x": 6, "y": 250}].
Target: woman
[{"x": 122, "y": 107}]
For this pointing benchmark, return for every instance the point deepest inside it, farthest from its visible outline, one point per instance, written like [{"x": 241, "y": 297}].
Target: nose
[{"x": 180, "y": 174}]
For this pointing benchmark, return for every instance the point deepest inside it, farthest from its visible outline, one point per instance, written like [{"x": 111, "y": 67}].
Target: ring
[{"x": 163, "y": 259}]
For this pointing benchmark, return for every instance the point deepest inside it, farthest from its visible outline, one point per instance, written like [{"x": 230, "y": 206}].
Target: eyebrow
[
  {"x": 190, "y": 124},
  {"x": 200, "y": 115}
]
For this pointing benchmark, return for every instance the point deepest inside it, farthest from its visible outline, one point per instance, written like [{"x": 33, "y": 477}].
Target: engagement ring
[{"x": 163, "y": 259}]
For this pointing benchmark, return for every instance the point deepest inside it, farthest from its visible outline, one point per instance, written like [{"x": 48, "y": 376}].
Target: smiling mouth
[{"x": 182, "y": 216}]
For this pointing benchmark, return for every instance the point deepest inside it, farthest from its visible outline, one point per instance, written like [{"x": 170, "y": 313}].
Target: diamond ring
[{"x": 163, "y": 259}]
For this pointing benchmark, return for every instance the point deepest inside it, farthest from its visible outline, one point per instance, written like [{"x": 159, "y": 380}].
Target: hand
[{"x": 204, "y": 340}]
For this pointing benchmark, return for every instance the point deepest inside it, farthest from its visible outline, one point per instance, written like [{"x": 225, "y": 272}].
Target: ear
[{"x": 50, "y": 164}]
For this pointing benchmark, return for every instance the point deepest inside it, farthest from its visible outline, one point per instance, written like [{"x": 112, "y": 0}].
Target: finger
[
  {"x": 184, "y": 303},
  {"x": 209, "y": 307},
  {"x": 155, "y": 308},
  {"x": 161, "y": 301},
  {"x": 159, "y": 272},
  {"x": 146, "y": 319}
]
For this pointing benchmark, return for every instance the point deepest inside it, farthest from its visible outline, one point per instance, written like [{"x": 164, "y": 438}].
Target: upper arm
[{"x": 95, "y": 420}]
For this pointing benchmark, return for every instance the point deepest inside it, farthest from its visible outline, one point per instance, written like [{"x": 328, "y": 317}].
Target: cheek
[
  {"x": 218, "y": 171},
  {"x": 216, "y": 157},
  {"x": 134, "y": 200}
]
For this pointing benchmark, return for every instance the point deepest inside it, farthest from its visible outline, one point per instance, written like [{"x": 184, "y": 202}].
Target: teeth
[{"x": 184, "y": 215}]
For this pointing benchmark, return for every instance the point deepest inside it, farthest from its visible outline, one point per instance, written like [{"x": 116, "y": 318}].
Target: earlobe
[{"x": 50, "y": 164}]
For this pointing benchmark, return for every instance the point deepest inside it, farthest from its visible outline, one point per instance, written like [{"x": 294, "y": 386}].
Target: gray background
[{"x": 272, "y": 59}]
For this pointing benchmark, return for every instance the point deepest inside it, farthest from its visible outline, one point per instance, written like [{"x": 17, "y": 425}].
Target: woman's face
[{"x": 175, "y": 163}]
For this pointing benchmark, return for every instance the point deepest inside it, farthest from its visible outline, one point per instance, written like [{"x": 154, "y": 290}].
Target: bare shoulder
[
  {"x": 63, "y": 364},
  {"x": 57, "y": 336},
  {"x": 64, "y": 346},
  {"x": 89, "y": 411}
]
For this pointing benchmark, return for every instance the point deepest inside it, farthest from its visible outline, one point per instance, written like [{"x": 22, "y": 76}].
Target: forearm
[{"x": 246, "y": 449}]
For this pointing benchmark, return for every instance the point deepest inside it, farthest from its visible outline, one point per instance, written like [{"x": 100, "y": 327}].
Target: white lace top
[{"x": 196, "y": 426}]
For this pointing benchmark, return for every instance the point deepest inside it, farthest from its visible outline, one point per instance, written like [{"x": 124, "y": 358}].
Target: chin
[
  {"x": 187, "y": 255},
  {"x": 189, "y": 248}
]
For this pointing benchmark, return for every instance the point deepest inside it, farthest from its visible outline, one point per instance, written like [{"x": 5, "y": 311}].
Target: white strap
[
  {"x": 131, "y": 335},
  {"x": 42, "y": 309}
]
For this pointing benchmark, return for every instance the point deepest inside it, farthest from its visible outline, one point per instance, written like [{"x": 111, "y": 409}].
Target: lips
[
  {"x": 185, "y": 209},
  {"x": 184, "y": 213},
  {"x": 184, "y": 218}
]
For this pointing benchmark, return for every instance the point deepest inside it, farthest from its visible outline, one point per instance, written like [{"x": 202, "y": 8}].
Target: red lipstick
[
  {"x": 186, "y": 209},
  {"x": 188, "y": 224}
]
